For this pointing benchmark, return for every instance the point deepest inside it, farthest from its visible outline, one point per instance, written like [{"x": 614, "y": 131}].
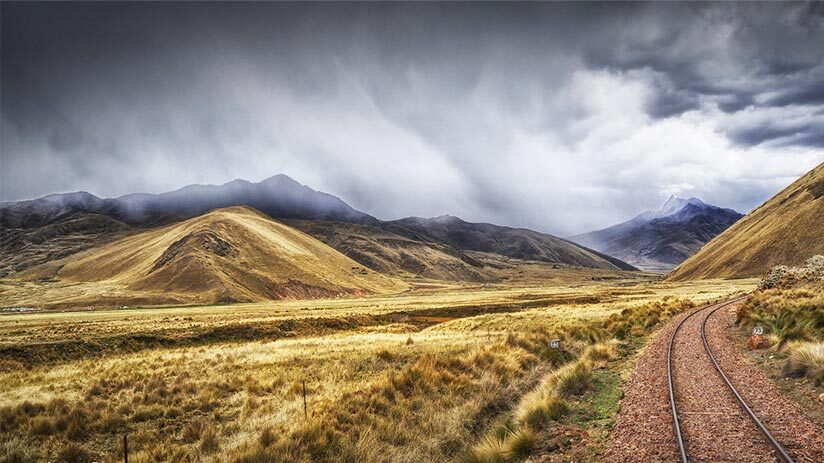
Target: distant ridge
[
  {"x": 787, "y": 229},
  {"x": 278, "y": 197},
  {"x": 55, "y": 226},
  {"x": 227, "y": 255},
  {"x": 659, "y": 240},
  {"x": 518, "y": 243}
]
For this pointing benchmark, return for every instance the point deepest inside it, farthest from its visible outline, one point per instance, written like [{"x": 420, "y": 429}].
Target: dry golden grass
[
  {"x": 806, "y": 359},
  {"x": 231, "y": 254},
  {"x": 790, "y": 314},
  {"x": 785, "y": 230},
  {"x": 534, "y": 412},
  {"x": 403, "y": 378}
]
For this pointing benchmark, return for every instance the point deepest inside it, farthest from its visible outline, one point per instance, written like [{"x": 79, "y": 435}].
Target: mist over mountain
[
  {"x": 409, "y": 109},
  {"x": 55, "y": 226},
  {"x": 661, "y": 239},
  {"x": 278, "y": 197},
  {"x": 518, "y": 243}
]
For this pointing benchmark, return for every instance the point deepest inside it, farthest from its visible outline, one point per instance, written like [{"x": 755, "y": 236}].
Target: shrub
[
  {"x": 193, "y": 430},
  {"x": 806, "y": 359},
  {"x": 385, "y": 355},
  {"x": 794, "y": 314},
  {"x": 209, "y": 440},
  {"x": 76, "y": 428},
  {"x": 575, "y": 378},
  {"x": 600, "y": 352},
  {"x": 520, "y": 443},
  {"x": 489, "y": 450},
  {"x": 504, "y": 429},
  {"x": 41, "y": 426},
  {"x": 73, "y": 453},
  {"x": 638, "y": 321},
  {"x": 539, "y": 407},
  {"x": 14, "y": 456},
  {"x": 267, "y": 437}
]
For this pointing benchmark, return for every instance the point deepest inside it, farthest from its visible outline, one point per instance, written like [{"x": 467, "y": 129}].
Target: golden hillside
[
  {"x": 231, "y": 254},
  {"x": 787, "y": 229},
  {"x": 394, "y": 254}
]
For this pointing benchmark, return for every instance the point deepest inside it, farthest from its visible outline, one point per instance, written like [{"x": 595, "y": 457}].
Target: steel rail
[
  {"x": 682, "y": 451},
  {"x": 782, "y": 454}
]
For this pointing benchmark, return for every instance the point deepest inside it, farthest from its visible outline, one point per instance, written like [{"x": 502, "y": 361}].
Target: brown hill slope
[
  {"x": 231, "y": 254},
  {"x": 394, "y": 254},
  {"x": 787, "y": 229},
  {"x": 23, "y": 248},
  {"x": 517, "y": 243}
]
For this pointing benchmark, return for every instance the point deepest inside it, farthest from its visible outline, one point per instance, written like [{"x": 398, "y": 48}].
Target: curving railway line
[{"x": 681, "y": 439}]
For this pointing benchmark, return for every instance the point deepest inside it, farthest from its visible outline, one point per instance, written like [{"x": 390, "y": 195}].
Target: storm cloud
[{"x": 559, "y": 117}]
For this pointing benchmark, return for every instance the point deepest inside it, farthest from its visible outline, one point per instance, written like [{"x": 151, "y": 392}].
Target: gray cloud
[{"x": 561, "y": 117}]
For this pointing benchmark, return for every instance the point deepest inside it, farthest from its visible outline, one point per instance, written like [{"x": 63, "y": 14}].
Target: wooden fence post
[
  {"x": 125, "y": 448},
  {"x": 305, "y": 415}
]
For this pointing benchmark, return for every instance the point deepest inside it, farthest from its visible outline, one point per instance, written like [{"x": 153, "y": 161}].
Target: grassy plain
[{"x": 428, "y": 375}]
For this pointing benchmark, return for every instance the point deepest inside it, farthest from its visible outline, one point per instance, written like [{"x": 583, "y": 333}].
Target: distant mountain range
[
  {"x": 56, "y": 226},
  {"x": 278, "y": 196},
  {"x": 517, "y": 243},
  {"x": 234, "y": 254},
  {"x": 660, "y": 240},
  {"x": 787, "y": 229}
]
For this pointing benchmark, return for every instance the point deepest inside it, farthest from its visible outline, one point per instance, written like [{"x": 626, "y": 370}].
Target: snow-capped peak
[{"x": 675, "y": 204}]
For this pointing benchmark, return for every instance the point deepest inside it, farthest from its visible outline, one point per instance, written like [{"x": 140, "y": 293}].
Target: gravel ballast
[{"x": 714, "y": 427}]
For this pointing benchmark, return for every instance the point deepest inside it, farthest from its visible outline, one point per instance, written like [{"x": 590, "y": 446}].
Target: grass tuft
[
  {"x": 489, "y": 450},
  {"x": 74, "y": 453},
  {"x": 539, "y": 407},
  {"x": 805, "y": 359},
  {"x": 267, "y": 437},
  {"x": 600, "y": 352},
  {"x": 521, "y": 443},
  {"x": 575, "y": 378},
  {"x": 209, "y": 440}
]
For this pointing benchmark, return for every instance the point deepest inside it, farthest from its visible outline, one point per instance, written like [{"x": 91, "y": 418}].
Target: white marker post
[{"x": 757, "y": 330}]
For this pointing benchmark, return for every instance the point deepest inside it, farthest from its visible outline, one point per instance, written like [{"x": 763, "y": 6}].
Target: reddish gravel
[
  {"x": 801, "y": 438},
  {"x": 714, "y": 427},
  {"x": 643, "y": 430}
]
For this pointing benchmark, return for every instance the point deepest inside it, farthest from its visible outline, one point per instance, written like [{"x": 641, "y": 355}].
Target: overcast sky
[{"x": 562, "y": 118}]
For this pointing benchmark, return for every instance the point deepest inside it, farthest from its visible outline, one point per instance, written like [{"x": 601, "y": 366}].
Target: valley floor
[{"x": 438, "y": 374}]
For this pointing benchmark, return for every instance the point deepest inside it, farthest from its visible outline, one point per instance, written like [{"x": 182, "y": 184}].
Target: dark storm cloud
[
  {"x": 522, "y": 114},
  {"x": 731, "y": 55},
  {"x": 808, "y": 93}
]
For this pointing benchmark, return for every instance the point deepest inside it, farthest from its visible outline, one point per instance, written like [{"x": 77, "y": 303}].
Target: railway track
[{"x": 708, "y": 311}]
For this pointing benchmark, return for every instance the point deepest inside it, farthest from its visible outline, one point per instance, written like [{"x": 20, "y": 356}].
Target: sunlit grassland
[
  {"x": 414, "y": 377},
  {"x": 793, "y": 322}
]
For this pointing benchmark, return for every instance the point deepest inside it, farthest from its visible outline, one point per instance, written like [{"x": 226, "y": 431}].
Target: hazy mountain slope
[
  {"x": 233, "y": 254},
  {"x": 391, "y": 253},
  {"x": 71, "y": 222},
  {"x": 45, "y": 210},
  {"x": 22, "y": 248},
  {"x": 278, "y": 196},
  {"x": 787, "y": 229},
  {"x": 518, "y": 243},
  {"x": 660, "y": 240},
  {"x": 432, "y": 248}
]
